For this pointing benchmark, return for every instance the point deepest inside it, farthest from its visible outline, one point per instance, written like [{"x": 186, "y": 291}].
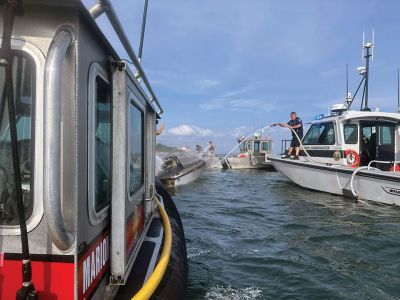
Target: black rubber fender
[{"x": 174, "y": 283}]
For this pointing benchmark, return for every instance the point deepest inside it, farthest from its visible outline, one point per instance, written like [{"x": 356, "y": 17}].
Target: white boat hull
[
  {"x": 244, "y": 163},
  {"x": 188, "y": 176},
  {"x": 377, "y": 186},
  {"x": 184, "y": 176}
]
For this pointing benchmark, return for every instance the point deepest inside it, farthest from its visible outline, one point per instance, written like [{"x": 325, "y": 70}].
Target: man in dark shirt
[{"x": 296, "y": 124}]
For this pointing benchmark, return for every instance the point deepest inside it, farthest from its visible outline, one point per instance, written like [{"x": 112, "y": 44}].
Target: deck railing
[{"x": 105, "y": 6}]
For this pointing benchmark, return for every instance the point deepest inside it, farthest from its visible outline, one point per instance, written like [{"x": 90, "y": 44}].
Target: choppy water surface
[{"x": 254, "y": 235}]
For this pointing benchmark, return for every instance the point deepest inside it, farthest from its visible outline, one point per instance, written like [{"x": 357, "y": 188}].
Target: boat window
[
  {"x": 350, "y": 132},
  {"x": 368, "y": 131},
  {"x": 249, "y": 146},
  {"x": 242, "y": 147},
  {"x": 103, "y": 142},
  {"x": 320, "y": 134},
  {"x": 265, "y": 146},
  {"x": 385, "y": 135},
  {"x": 136, "y": 143},
  {"x": 256, "y": 146},
  {"x": 24, "y": 83}
]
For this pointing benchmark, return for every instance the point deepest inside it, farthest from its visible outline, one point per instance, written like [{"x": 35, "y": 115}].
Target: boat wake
[
  {"x": 232, "y": 293},
  {"x": 196, "y": 252}
]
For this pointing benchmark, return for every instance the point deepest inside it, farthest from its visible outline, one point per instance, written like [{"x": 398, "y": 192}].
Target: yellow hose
[{"x": 152, "y": 283}]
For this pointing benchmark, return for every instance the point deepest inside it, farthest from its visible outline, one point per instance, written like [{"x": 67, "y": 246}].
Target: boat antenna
[
  {"x": 368, "y": 53},
  {"x": 143, "y": 30},
  {"x": 348, "y": 98},
  {"x": 11, "y": 9},
  {"x": 398, "y": 91},
  {"x": 347, "y": 80}
]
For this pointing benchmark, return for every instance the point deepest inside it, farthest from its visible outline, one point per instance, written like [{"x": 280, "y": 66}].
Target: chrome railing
[
  {"x": 394, "y": 163},
  {"x": 105, "y": 6},
  {"x": 59, "y": 233}
]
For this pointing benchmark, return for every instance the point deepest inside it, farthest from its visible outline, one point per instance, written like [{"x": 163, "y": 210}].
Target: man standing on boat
[
  {"x": 211, "y": 147},
  {"x": 296, "y": 125}
]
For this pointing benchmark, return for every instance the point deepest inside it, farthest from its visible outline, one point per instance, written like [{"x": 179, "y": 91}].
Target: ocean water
[{"x": 252, "y": 234}]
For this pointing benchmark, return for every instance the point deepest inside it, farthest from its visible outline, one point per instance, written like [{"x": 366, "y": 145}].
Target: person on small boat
[
  {"x": 211, "y": 147},
  {"x": 296, "y": 125}
]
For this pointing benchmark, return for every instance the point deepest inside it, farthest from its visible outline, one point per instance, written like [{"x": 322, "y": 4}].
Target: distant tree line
[{"x": 163, "y": 148}]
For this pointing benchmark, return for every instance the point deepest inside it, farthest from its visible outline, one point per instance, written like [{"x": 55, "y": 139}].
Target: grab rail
[
  {"x": 105, "y": 6},
  {"x": 154, "y": 280},
  {"x": 354, "y": 175},
  {"x": 384, "y": 162},
  {"x": 60, "y": 235}
]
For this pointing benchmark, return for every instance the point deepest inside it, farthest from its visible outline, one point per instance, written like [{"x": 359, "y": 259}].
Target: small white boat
[
  {"x": 183, "y": 170},
  {"x": 350, "y": 153},
  {"x": 254, "y": 153}
]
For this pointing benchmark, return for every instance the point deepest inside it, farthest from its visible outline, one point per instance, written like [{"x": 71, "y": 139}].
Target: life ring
[
  {"x": 243, "y": 155},
  {"x": 352, "y": 158}
]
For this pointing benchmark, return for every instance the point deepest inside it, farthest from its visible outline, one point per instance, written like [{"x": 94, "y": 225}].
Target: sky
[{"x": 225, "y": 68}]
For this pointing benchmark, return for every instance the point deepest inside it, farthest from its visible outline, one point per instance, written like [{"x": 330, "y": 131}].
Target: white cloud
[
  {"x": 214, "y": 104},
  {"x": 207, "y": 83},
  {"x": 242, "y": 130},
  {"x": 255, "y": 105},
  {"x": 187, "y": 130}
]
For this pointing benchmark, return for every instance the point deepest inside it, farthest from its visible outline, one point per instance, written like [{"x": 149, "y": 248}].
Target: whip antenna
[
  {"x": 367, "y": 51},
  {"x": 398, "y": 91},
  {"x": 143, "y": 30}
]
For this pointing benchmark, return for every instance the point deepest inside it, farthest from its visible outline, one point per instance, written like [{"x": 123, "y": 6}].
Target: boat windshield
[
  {"x": 242, "y": 147},
  {"x": 265, "y": 146},
  {"x": 23, "y": 79},
  {"x": 320, "y": 134}
]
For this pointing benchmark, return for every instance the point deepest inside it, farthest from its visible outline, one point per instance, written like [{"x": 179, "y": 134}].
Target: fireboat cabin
[{"x": 80, "y": 208}]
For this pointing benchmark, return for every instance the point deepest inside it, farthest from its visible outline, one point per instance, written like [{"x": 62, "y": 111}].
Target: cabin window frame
[
  {"x": 137, "y": 104},
  {"x": 355, "y": 142},
  {"x": 268, "y": 146},
  {"x": 37, "y": 115},
  {"x": 249, "y": 146},
  {"x": 96, "y": 217},
  {"x": 320, "y": 144},
  {"x": 242, "y": 146}
]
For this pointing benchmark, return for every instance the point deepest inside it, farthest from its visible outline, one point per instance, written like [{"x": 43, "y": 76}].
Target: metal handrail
[
  {"x": 284, "y": 146},
  {"x": 105, "y": 6},
  {"x": 385, "y": 162},
  {"x": 59, "y": 233}
]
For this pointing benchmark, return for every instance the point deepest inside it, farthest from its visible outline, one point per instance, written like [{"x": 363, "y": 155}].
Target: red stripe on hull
[{"x": 52, "y": 280}]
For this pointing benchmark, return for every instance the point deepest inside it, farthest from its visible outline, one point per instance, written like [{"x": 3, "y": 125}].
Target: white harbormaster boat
[
  {"x": 350, "y": 153},
  {"x": 80, "y": 208}
]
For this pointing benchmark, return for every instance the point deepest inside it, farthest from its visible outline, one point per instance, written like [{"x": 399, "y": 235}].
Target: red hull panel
[{"x": 52, "y": 280}]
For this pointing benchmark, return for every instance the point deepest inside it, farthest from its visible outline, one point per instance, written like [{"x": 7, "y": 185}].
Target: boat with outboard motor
[
  {"x": 181, "y": 169},
  {"x": 80, "y": 207},
  {"x": 350, "y": 153},
  {"x": 254, "y": 153}
]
